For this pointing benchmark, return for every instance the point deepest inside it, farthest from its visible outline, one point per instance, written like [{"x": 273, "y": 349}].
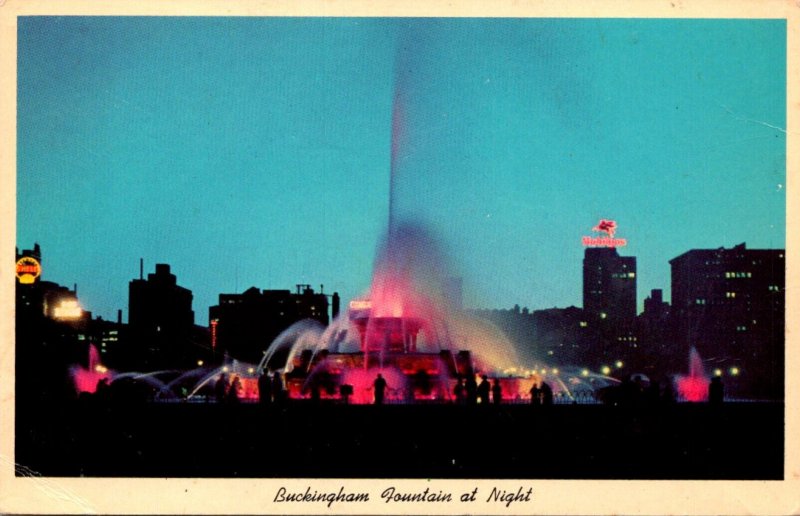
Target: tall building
[
  {"x": 729, "y": 304},
  {"x": 243, "y": 325},
  {"x": 609, "y": 304},
  {"x": 609, "y": 285},
  {"x": 161, "y": 322},
  {"x": 29, "y": 295}
]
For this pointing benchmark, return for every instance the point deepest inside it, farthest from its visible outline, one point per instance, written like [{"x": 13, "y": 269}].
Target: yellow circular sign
[{"x": 28, "y": 269}]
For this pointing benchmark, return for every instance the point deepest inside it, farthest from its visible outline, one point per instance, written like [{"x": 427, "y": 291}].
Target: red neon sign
[
  {"x": 606, "y": 226},
  {"x": 214, "y": 323},
  {"x": 609, "y": 227}
]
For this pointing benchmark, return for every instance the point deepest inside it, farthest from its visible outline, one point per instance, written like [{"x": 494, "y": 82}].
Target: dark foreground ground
[{"x": 687, "y": 441}]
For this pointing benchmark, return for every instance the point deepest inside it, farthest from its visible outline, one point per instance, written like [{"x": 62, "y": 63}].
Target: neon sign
[
  {"x": 606, "y": 226},
  {"x": 214, "y": 323},
  {"x": 68, "y": 309},
  {"x": 360, "y": 304},
  {"x": 28, "y": 269},
  {"x": 609, "y": 227}
]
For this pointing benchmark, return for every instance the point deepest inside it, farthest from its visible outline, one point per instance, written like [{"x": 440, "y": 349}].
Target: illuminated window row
[{"x": 738, "y": 274}]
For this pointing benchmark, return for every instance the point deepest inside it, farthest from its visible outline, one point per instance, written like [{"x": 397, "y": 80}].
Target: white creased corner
[{"x": 51, "y": 489}]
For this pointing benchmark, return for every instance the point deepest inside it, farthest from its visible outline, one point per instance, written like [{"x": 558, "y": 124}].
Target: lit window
[
  {"x": 631, "y": 274},
  {"x": 583, "y": 324}
]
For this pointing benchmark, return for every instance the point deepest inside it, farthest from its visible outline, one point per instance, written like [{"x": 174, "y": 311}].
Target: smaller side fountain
[
  {"x": 693, "y": 387},
  {"x": 85, "y": 379}
]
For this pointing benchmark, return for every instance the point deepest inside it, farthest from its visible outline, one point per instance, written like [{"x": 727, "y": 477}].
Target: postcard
[{"x": 340, "y": 258}]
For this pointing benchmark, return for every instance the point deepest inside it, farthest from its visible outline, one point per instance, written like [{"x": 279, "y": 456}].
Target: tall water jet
[
  {"x": 404, "y": 326},
  {"x": 694, "y": 387}
]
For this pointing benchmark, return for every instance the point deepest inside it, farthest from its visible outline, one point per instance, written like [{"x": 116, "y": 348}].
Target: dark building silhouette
[
  {"x": 29, "y": 292},
  {"x": 609, "y": 284},
  {"x": 654, "y": 305},
  {"x": 243, "y": 325},
  {"x": 567, "y": 336},
  {"x": 609, "y": 301},
  {"x": 729, "y": 304},
  {"x": 161, "y": 323},
  {"x": 35, "y": 296},
  {"x": 51, "y": 333},
  {"x": 658, "y": 355}
]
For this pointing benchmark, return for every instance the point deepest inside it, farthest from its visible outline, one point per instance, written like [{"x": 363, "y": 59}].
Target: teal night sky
[{"x": 256, "y": 151}]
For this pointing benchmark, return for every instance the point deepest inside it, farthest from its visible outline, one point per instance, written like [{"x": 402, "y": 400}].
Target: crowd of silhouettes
[
  {"x": 226, "y": 391},
  {"x": 637, "y": 391},
  {"x": 471, "y": 393},
  {"x": 541, "y": 393},
  {"x": 270, "y": 388},
  {"x": 634, "y": 391}
]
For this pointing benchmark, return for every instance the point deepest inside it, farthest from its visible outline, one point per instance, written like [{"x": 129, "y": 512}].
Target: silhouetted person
[
  {"x": 101, "y": 391},
  {"x": 547, "y": 393},
  {"x": 458, "y": 391},
  {"x": 221, "y": 388},
  {"x": 716, "y": 391},
  {"x": 264, "y": 389},
  {"x": 497, "y": 392},
  {"x": 346, "y": 390},
  {"x": 233, "y": 390},
  {"x": 472, "y": 389},
  {"x": 315, "y": 393},
  {"x": 380, "y": 388},
  {"x": 483, "y": 391},
  {"x": 277, "y": 387},
  {"x": 536, "y": 394}
]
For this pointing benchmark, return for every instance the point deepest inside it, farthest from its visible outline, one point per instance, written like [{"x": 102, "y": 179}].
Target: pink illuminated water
[
  {"x": 363, "y": 381},
  {"x": 86, "y": 379},
  {"x": 694, "y": 387}
]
